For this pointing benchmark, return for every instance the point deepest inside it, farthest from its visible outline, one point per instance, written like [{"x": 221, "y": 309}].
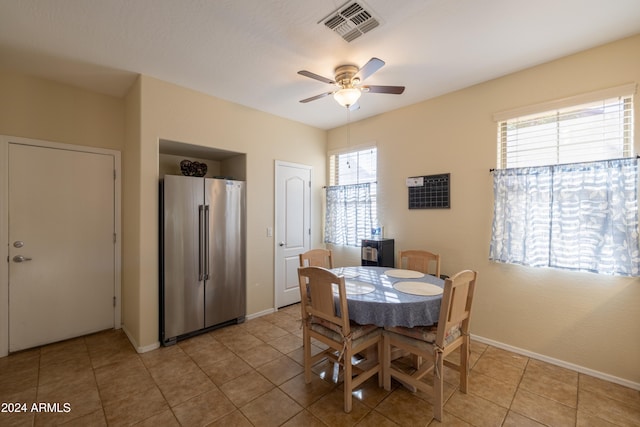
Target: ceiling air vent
[{"x": 351, "y": 20}]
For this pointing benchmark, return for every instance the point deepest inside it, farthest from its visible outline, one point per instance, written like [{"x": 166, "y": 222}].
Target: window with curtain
[
  {"x": 565, "y": 193},
  {"x": 351, "y": 197}
]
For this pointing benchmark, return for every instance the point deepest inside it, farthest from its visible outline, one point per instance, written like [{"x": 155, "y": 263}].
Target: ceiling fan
[{"x": 348, "y": 80}]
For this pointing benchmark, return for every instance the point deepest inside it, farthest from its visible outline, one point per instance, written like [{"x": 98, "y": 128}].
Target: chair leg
[
  {"x": 307, "y": 356},
  {"x": 438, "y": 387},
  {"x": 381, "y": 361},
  {"x": 348, "y": 381},
  {"x": 386, "y": 360},
  {"x": 464, "y": 365}
]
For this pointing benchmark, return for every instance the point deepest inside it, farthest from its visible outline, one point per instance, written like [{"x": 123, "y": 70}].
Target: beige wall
[
  {"x": 177, "y": 114},
  {"x": 588, "y": 320},
  {"x": 41, "y": 109}
]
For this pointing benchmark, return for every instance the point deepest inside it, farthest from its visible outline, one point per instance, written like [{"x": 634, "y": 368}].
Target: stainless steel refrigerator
[{"x": 202, "y": 258}]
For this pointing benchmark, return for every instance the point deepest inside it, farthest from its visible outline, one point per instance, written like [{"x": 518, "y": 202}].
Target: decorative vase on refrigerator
[{"x": 202, "y": 258}]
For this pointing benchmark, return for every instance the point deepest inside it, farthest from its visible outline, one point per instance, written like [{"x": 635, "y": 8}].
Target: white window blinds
[
  {"x": 578, "y": 129},
  {"x": 351, "y": 197}
]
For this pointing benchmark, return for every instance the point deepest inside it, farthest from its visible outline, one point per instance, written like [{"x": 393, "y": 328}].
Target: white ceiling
[{"x": 249, "y": 51}]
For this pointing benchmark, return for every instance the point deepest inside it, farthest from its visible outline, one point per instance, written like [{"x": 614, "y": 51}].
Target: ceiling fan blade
[
  {"x": 369, "y": 68},
  {"x": 394, "y": 90},
  {"x": 316, "y": 77},
  {"x": 313, "y": 98}
]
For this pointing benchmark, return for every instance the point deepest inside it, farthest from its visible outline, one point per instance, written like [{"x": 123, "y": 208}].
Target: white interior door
[
  {"x": 61, "y": 244},
  {"x": 293, "y": 228}
]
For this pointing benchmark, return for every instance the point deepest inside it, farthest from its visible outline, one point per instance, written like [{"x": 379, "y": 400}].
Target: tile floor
[{"x": 251, "y": 375}]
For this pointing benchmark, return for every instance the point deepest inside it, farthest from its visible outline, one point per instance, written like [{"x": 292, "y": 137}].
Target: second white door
[{"x": 293, "y": 228}]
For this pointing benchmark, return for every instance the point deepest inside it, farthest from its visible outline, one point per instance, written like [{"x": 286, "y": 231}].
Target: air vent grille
[{"x": 351, "y": 20}]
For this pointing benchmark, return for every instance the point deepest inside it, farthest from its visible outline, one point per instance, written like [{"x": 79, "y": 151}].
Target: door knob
[
  {"x": 20, "y": 258},
  {"x": 281, "y": 244}
]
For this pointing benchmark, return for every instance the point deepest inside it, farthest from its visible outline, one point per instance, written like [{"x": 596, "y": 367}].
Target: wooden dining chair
[
  {"x": 433, "y": 343},
  {"x": 317, "y": 258},
  {"x": 419, "y": 260},
  {"x": 344, "y": 338}
]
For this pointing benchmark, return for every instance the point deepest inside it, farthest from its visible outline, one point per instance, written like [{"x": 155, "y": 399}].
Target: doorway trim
[{"x": 4, "y": 226}]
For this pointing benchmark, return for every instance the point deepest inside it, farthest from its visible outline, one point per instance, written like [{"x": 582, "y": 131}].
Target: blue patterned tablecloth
[{"x": 385, "y": 306}]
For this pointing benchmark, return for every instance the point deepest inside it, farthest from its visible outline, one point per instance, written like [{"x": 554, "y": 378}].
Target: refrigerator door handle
[
  {"x": 200, "y": 241},
  {"x": 206, "y": 242}
]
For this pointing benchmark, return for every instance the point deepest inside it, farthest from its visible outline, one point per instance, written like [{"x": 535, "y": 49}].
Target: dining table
[{"x": 385, "y": 296}]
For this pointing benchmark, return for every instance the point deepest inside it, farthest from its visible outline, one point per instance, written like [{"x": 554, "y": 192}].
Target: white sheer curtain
[
  {"x": 348, "y": 216},
  {"x": 581, "y": 216}
]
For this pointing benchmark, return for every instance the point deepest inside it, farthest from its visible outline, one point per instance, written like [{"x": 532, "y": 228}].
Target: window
[
  {"x": 351, "y": 196},
  {"x": 565, "y": 193}
]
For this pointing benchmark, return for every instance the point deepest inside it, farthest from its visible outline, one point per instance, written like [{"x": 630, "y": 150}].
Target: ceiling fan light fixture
[{"x": 347, "y": 96}]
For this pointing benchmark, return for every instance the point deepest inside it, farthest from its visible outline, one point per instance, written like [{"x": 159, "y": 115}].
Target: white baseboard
[
  {"x": 138, "y": 348},
  {"x": 260, "y": 313},
  {"x": 557, "y": 362}
]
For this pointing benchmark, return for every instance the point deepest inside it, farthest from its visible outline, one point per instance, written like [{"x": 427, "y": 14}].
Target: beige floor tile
[
  {"x": 120, "y": 380},
  {"x": 506, "y": 357},
  {"x": 183, "y": 383},
  {"x": 304, "y": 419},
  {"x": 369, "y": 392},
  {"x": 245, "y": 388},
  {"x": 136, "y": 408},
  {"x": 449, "y": 420},
  {"x": 271, "y": 409},
  {"x": 543, "y": 410},
  {"x": 18, "y": 375},
  {"x": 330, "y": 409},
  {"x": 475, "y": 410},
  {"x": 501, "y": 371},
  {"x": 555, "y": 389},
  {"x": 209, "y": 353},
  {"x": 491, "y": 389},
  {"x": 305, "y": 394},
  {"x": 71, "y": 368},
  {"x": 376, "y": 419},
  {"x": 17, "y": 419},
  {"x": 516, "y": 420},
  {"x": 63, "y": 351},
  {"x": 607, "y": 409},
  {"x": 287, "y": 343},
  {"x": 617, "y": 392},
  {"x": 264, "y": 330},
  {"x": 162, "y": 419},
  {"x": 590, "y": 420},
  {"x": 405, "y": 409},
  {"x": 239, "y": 341},
  {"x": 280, "y": 370},
  {"x": 226, "y": 370},
  {"x": 94, "y": 419},
  {"x": 203, "y": 409},
  {"x": 545, "y": 371},
  {"x": 80, "y": 393},
  {"x": 259, "y": 355},
  {"x": 234, "y": 419}
]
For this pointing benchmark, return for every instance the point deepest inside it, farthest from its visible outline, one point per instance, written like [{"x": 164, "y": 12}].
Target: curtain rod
[{"x": 576, "y": 163}]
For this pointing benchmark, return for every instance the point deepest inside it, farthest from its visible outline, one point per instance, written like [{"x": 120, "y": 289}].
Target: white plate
[
  {"x": 349, "y": 273},
  {"x": 404, "y": 274},
  {"x": 354, "y": 287},
  {"x": 418, "y": 288}
]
